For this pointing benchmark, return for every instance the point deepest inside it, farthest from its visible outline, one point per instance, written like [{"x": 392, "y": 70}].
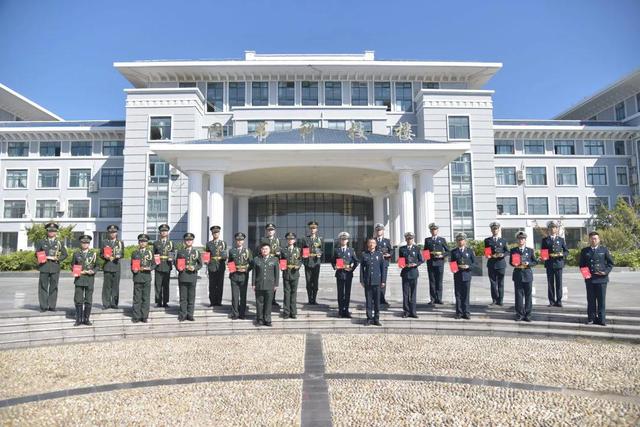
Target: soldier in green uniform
[
  {"x": 163, "y": 247},
  {"x": 142, "y": 279},
  {"x": 218, "y": 250},
  {"x": 55, "y": 253},
  {"x": 188, "y": 277},
  {"x": 111, "y": 283},
  {"x": 264, "y": 283},
  {"x": 274, "y": 243},
  {"x": 312, "y": 263},
  {"x": 86, "y": 259},
  {"x": 243, "y": 260},
  {"x": 290, "y": 276}
]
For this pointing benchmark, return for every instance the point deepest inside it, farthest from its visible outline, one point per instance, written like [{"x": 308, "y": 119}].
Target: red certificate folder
[
  {"x": 42, "y": 257},
  {"x": 107, "y": 251},
  {"x": 426, "y": 254},
  {"x": 402, "y": 262},
  {"x": 487, "y": 252},
  {"x": 544, "y": 254},
  {"x": 156, "y": 259},
  {"x": 206, "y": 257},
  {"x": 453, "y": 265},
  {"x": 516, "y": 259},
  {"x": 77, "y": 270},
  {"x": 283, "y": 264},
  {"x": 339, "y": 263},
  {"x": 232, "y": 266},
  {"x": 305, "y": 252},
  {"x": 135, "y": 265},
  {"x": 585, "y": 272},
  {"x": 181, "y": 264}
]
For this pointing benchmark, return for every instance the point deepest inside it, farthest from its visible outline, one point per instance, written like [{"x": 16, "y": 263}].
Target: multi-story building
[{"x": 346, "y": 140}]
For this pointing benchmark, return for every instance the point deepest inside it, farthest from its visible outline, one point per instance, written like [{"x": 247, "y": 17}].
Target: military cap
[
  {"x": 85, "y": 238},
  {"x": 240, "y": 236},
  {"x": 143, "y": 237},
  {"x": 594, "y": 233},
  {"x": 409, "y": 234},
  {"x": 189, "y": 236},
  {"x": 112, "y": 228},
  {"x": 313, "y": 224},
  {"x": 343, "y": 235},
  {"x": 379, "y": 226},
  {"x": 461, "y": 236},
  {"x": 263, "y": 244},
  {"x": 164, "y": 227},
  {"x": 494, "y": 224},
  {"x": 52, "y": 226},
  {"x": 290, "y": 235},
  {"x": 551, "y": 224},
  {"x": 270, "y": 226},
  {"x": 521, "y": 235},
  {"x": 433, "y": 226},
  {"x": 215, "y": 228}
]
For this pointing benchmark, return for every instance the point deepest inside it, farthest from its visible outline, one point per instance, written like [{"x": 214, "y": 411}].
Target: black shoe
[
  {"x": 431, "y": 303},
  {"x": 377, "y": 323},
  {"x": 241, "y": 317},
  {"x": 589, "y": 322},
  {"x": 165, "y": 305},
  {"x": 87, "y": 322},
  {"x": 42, "y": 310},
  {"x": 114, "y": 307},
  {"x": 457, "y": 316},
  {"x": 518, "y": 318},
  {"x": 347, "y": 315},
  {"x": 559, "y": 305},
  {"x": 260, "y": 322},
  {"x": 275, "y": 304},
  {"x": 439, "y": 302},
  {"x": 190, "y": 318},
  {"x": 52, "y": 309},
  {"x": 106, "y": 307},
  {"x": 466, "y": 316},
  {"x": 413, "y": 315},
  {"x": 180, "y": 319},
  {"x": 405, "y": 315},
  {"x": 158, "y": 305},
  {"x": 145, "y": 320},
  {"x": 527, "y": 319},
  {"x": 267, "y": 324},
  {"x": 293, "y": 316},
  {"x": 367, "y": 322},
  {"x": 135, "y": 320},
  {"x": 499, "y": 303},
  {"x": 551, "y": 304},
  {"x": 602, "y": 323}
]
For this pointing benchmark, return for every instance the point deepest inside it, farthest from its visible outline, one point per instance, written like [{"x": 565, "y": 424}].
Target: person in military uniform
[
  {"x": 265, "y": 282},
  {"x": 83, "y": 296},
  {"x": 439, "y": 250},
  {"x": 598, "y": 260},
  {"x": 274, "y": 244},
  {"x": 188, "y": 277},
  {"x": 464, "y": 258},
  {"x": 383, "y": 245},
  {"x": 218, "y": 250},
  {"x": 111, "y": 269},
  {"x": 55, "y": 253},
  {"x": 558, "y": 252},
  {"x": 142, "y": 280},
  {"x": 409, "y": 274},
  {"x": 312, "y": 263},
  {"x": 243, "y": 259},
  {"x": 523, "y": 276},
  {"x": 344, "y": 275},
  {"x": 165, "y": 249},
  {"x": 373, "y": 276},
  {"x": 290, "y": 276},
  {"x": 496, "y": 263}
]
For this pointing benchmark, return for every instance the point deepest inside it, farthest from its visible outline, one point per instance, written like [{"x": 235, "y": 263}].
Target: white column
[
  {"x": 394, "y": 219},
  {"x": 243, "y": 212},
  {"x": 378, "y": 206},
  {"x": 426, "y": 206},
  {"x": 216, "y": 198},
  {"x": 405, "y": 194},
  {"x": 227, "y": 227},
  {"x": 194, "y": 216}
]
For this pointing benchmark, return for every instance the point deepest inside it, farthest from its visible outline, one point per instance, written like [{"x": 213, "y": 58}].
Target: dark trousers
[
  {"x": 239, "y": 294},
  {"x": 110, "y": 289},
  {"x": 216, "y": 286},
  {"x": 187, "y": 299},
  {"x": 496, "y": 279},
  {"x": 141, "y": 299},
  {"x": 372, "y": 296},
  {"x": 461, "y": 290},
  {"x": 162, "y": 287},
  {"x": 312, "y": 275},
  {"x": 409, "y": 295},
  {"x": 290, "y": 290},
  {"x": 383, "y": 292},
  {"x": 264, "y": 299},
  {"x": 435, "y": 283},
  {"x": 48, "y": 290},
  {"x": 344, "y": 292},
  {"x": 523, "y": 299},
  {"x": 554, "y": 285},
  {"x": 596, "y": 295},
  {"x": 82, "y": 298}
]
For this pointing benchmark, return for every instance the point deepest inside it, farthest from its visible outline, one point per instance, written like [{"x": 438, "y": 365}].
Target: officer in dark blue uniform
[
  {"x": 313, "y": 261},
  {"x": 373, "y": 276},
  {"x": 523, "y": 276},
  {"x": 439, "y": 250},
  {"x": 383, "y": 245},
  {"x": 599, "y": 262},
  {"x": 464, "y": 258},
  {"x": 558, "y": 252},
  {"x": 274, "y": 243},
  {"x": 217, "y": 249},
  {"x": 496, "y": 263},
  {"x": 344, "y": 275},
  {"x": 413, "y": 259}
]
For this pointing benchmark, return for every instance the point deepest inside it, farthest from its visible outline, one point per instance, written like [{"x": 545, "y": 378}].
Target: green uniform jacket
[
  {"x": 51, "y": 248},
  {"x": 265, "y": 273},
  {"x": 273, "y": 242},
  {"x": 218, "y": 251},
  {"x": 315, "y": 251},
  {"x": 164, "y": 249},
  {"x": 192, "y": 257},
  {"x": 243, "y": 258},
  {"x": 118, "y": 252},
  {"x": 88, "y": 262},
  {"x": 146, "y": 264},
  {"x": 293, "y": 255}
]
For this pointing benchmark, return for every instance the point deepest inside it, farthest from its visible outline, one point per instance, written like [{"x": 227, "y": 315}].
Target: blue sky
[{"x": 555, "y": 52}]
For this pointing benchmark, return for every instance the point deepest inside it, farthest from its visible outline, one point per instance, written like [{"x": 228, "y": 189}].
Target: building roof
[
  {"x": 65, "y": 124},
  {"x": 23, "y": 107},
  {"x": 521, "y": 122}
]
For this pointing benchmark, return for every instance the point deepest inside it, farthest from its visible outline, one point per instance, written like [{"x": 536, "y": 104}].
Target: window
[
  {"x": 597, "y": 175},
  {"x": 81, "y": 148},
  {"x": 367, "y": 125},
  {"x": 14, "y": 208},
  {"x": 332, "y": 93},
  {"x": 620, "y": 113},
  {"x": 18, "y": 149},
  {"x": 336, "y": 124},
  {"x": 594, "y": 148},
  {"x": 538, "y": 205},
  {"x": 158, "y": 170},
  {"x": 50, "y": 149},
  {"x": 215, "y": 92},
  {"x": 113, "y": 148},
  {"x": 286, "y": 93},
  {"x": 503, "y": 146},
  {"x": 227, "y": 130},
  {"x": 533, "y": 146},
  {"x": 568, "y": 206},
  {"x": 158, "y": 208},
  {"x": 430, "y": 85},
  {"x": 536, "y": 175},
  {"x": 566, "y": 176},
  {"x": 259, "y": 93},
  {"x": 595, "y": 203},
  {"x": 78, "y": 209},
  {"x": 404, "y": 95},
  {"x": 111, "y": 208},
  {"x": 622, "y": 175},
  {"x": 462, "y": 195},
  {"x": 619, "y": 148},
  {"x": 186, "y": 84},
  {"x": 48, "y": 178},
  {"x": 314, "y": 123},
  {"x": 564, "y": 147},
  {"x": 458, "y": 127},
  {"x": 160, "y": 128},
  {"x": 46, "y": 208},
  {"x": 111, "y": 177},
  {"x": 382, "y": 94},
  {"x": 79, "y": 178},
  {"x": 236, "y": 94},
  {"x": 638, "y": 102},
  {"x": 309, "y": 92},
  {"x": 505, "y": 176},
  {"x": 282, "y": 125},
  {"x": 16, "y": 178},
  {"x": 507, "y": 205},
  {"x": 359, "y": 93},
  {"x": 252, "y": 125}
]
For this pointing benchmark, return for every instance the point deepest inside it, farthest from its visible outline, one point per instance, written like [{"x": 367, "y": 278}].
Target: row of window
[
  {"x": 564, "y": 147},
  {"x": 54, "y": 148},
  {"x": 565, "y": 176},
  {"x": 81, "y": 208},
  {"x": 621, "y": 111},
  {"x": 50, "y": 178},
  {"x": 565, "y": 205}
]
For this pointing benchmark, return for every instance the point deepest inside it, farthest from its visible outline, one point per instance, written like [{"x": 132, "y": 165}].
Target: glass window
[
  {"x": 186, "y": 84},
  {"x": 111, "y": 208},
  {"x": 459, "y": 127},
  {"x": 81, "y": 148},
  {"x": 568, "y": 206},
  {"x": 158, "y": 208},
  {"x": 597, "y": 175},
  {"x": 50, "y": 149},
  {"x": 505, "y": 176},
  {"x": 158, "y": 170},
  {"x": 282, "y": 125},
  {"x": 46, "y": 208},
  {"x": 620, "y": 113},
  {"x": 404, "y": 96},
  {"x": 566, "y": 176},
  {"x": 332, "y": 93},
  {"x": 367, "y": 126},
  {"x": 573, "y": 236},
  {"x": 507, "y": 205},
  {"x": 14, "y": 208},
  {"x": 259, "y": 93},
  {"x": 503, "y": 146},
  {"x": 538, "y": 205},
  {"x": 113, "y": 148},
  {"x": 18, "y": 149},
  {"x": 215, "y": 91},
  {"x": 359, "y": 93},
  {"x": 536, "y": 175},
  {"x": 252, "y": 125},
  {"x": 78, "y": 209},
  {"x": 336, "y": 124},
  {"x": 16, "y": 178},
  {"x": 48, "y": 178},
  {"x": 596, "y": 202},
  {"x": 382, "y": 94},
  {"x": 79, "y": 178},
  {"x": 236, "y": 94},
  {"x": 594, "y": 148},
  {"x": 314, "y": 123},
  {"x": 309, "y": 92},
  {"x": 160, "y": 128},
  {"x": 111, "y": 177},
  {"x": 462, "y": 195},
  {"x": 533, "y": 146},
  {"x": 564, "y": 147},
  {"x": 286, "y": 93},
  {"x": 619, "y": 147},
  {"x": 430, "y": 85},
  {"x": 622, "y": 177}
]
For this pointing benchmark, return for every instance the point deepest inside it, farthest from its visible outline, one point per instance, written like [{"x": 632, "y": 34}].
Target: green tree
[
  {"x": 619, "y": 228},
  {"x": 37, "y": 232}
]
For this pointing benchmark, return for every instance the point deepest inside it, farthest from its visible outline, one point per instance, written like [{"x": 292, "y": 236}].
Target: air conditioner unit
[
  {"x": 520, "y": 176},
  {"x": 93, "y": 186}
]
